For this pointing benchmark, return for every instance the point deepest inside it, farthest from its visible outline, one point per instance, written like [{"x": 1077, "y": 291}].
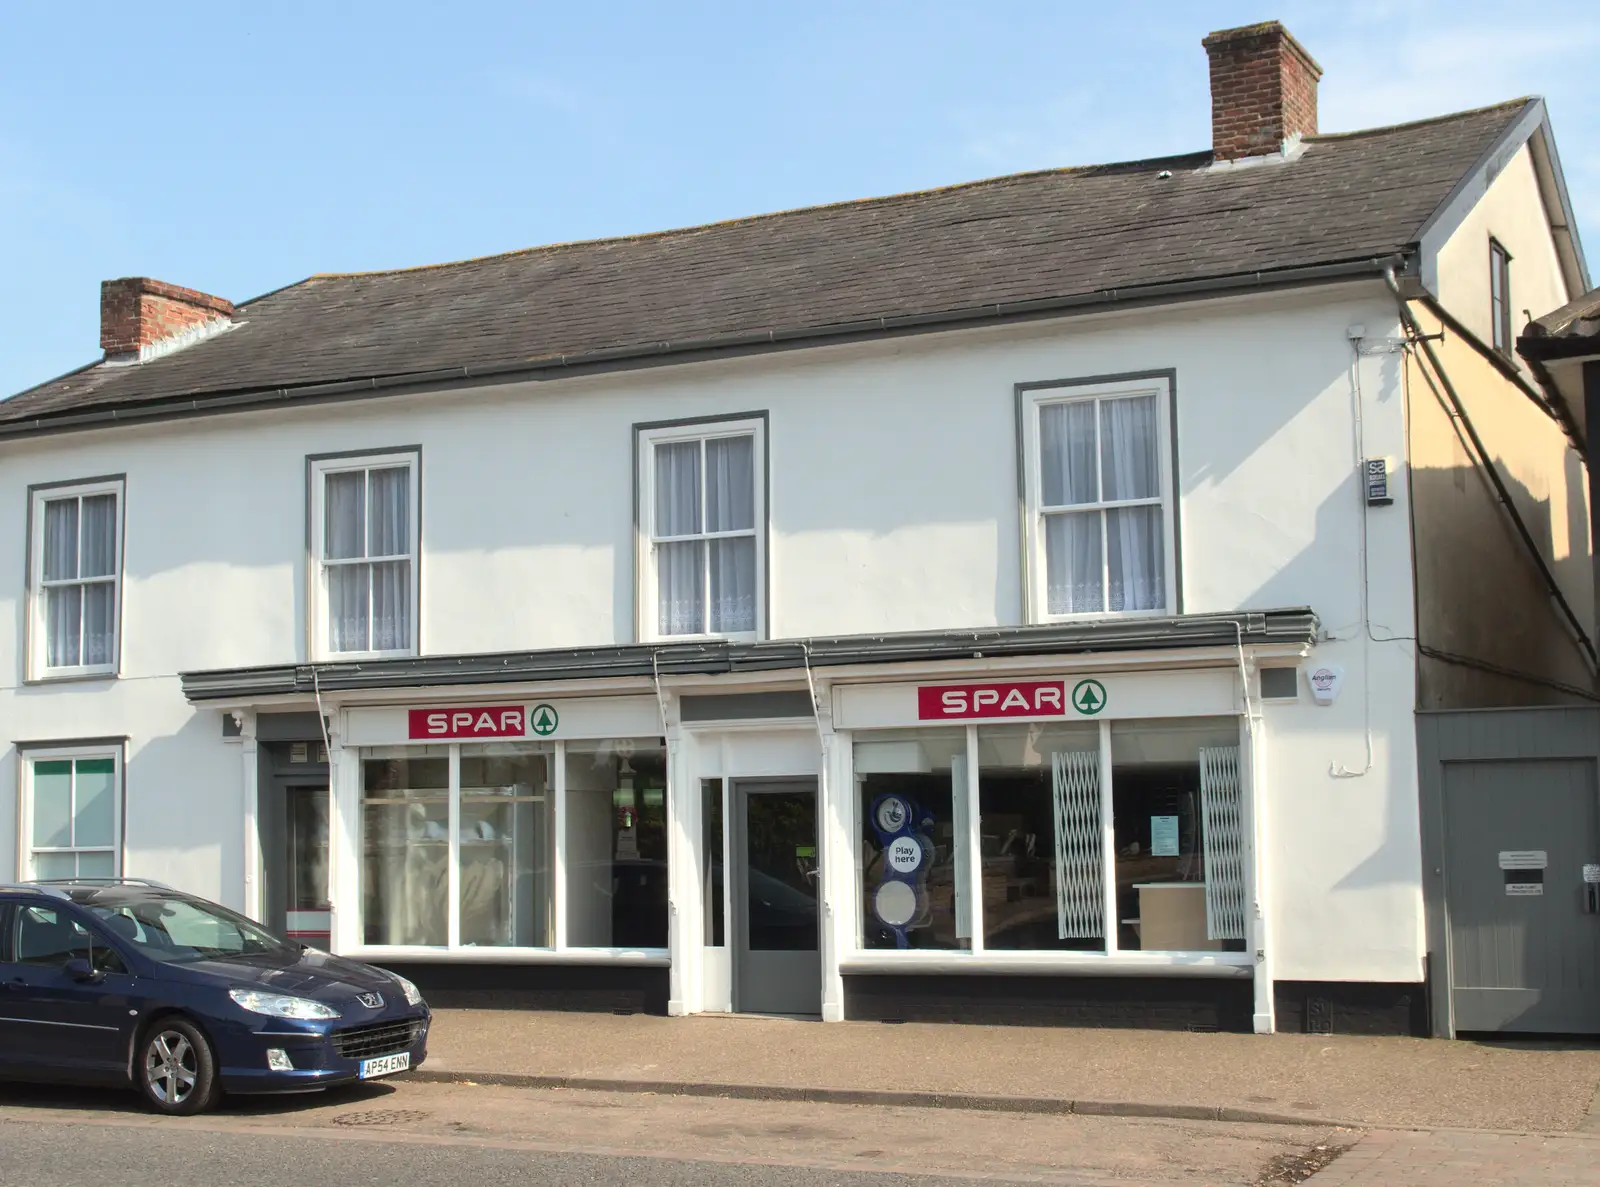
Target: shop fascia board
[
  {"x": 1089, "y": 964},
  {"x": 1107, "y": 662},
  {"x": 1100, "y": 644}
]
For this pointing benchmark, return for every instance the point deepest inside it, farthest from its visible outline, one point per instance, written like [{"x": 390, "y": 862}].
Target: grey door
[
  {"x": 777, "y": 962},
  {"x": 1524, "y": 932}
]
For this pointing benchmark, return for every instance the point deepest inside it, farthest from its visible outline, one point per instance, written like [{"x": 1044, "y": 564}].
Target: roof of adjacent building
[
  {"x": 1029, "y": 242},
  {"x": 1572, "y": 330}
]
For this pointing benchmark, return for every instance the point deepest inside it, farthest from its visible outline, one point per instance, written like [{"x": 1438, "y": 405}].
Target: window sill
[
  {"x": 732, "y": 637},
  {"x": 641, "y": 957},
  {"x": 340, "y": 657},
  {"x": 1088, "y": 964},
  {"x": 1100, "y": 616},
  {"x": 73, "y": 675}
]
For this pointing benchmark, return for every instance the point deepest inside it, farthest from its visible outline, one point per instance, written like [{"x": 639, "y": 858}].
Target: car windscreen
[{"x": 176, "y": 930}]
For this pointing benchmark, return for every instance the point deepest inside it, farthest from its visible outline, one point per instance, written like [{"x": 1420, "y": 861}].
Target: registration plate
[{"x": 385, "y": 1065}]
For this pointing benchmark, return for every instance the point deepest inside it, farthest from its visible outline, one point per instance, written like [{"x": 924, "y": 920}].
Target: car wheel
[{"x": 176, "y": 1069}]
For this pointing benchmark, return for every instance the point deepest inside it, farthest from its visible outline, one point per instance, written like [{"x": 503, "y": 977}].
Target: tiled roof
[
  {"x": 1034, "y": 237},
  {"x": 1574, "y": 329}
]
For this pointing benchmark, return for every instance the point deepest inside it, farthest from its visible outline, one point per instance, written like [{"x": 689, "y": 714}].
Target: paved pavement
[
  {"x": 1425, "y": 1083},
  {"x": 1389, "y": 1158},
  {"x": 406, "y": 1134}
]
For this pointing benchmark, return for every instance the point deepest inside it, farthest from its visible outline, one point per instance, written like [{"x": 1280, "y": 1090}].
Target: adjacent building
[{"x": 1007, "y": 601}]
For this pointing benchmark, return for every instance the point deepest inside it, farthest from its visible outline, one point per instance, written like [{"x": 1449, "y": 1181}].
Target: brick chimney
[
  {"x": 141, "y": 318},
  {"x": 1263, "y": 90}
]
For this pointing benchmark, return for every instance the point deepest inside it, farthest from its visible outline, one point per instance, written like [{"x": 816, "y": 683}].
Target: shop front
[
  {"x": 514, "y": 850},
  {"x": 1049, "y": 836},
  {"x": 1093, "y": 830}
]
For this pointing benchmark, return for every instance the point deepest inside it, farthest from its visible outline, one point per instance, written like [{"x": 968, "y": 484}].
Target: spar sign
[
  {"x": 1011, "y": 698},
  {"x": 479, "y": 721}
]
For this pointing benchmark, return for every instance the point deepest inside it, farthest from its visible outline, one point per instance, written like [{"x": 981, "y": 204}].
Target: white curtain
[
  {"x": 1066, "y": 443},
  {"x": 389, "y": 534},
  {"x": 680, "y": 567},
  {"x": 1073, "y": 568},
  {"x": 98, "y": 553},
  {"x": 731, "y": 507},
  {"x": 1129, "y": 466},
  {"x": 344, "y": 516},
  {"x": 1073, "y": 561},
  {"x": 63, "y": 605}
]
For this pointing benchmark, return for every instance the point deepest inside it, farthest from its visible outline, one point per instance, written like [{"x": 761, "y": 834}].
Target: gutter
[
  {"x": 697, "y": 349},
  {"x": 1295, "y": 626}
]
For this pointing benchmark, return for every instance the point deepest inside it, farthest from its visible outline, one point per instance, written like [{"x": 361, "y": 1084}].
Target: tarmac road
[{"x": 404, "y": 1134}]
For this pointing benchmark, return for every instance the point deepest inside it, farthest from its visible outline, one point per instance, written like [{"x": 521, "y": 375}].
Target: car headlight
[
  {"x": 281, "y": 1005},
  {"x": 413, "y": 994}
]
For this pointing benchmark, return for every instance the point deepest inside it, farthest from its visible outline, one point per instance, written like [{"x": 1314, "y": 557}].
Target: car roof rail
[
  {"x": 150, "y": 882},
  {"x": 32, "y": 888}
]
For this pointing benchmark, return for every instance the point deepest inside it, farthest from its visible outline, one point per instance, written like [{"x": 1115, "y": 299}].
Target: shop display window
[
  {"x": 507, "y": 845},
  {"x": 616, "y": 844},
  {"x": 1041, "y": 837},
  {"x": 405, "y": 868},
  {"x": 1178, "y": 830},
  {"x": 913, "y": 828}
]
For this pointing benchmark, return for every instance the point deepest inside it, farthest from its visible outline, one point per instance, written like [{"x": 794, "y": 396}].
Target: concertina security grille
[
  {"x": 1080, "y": 837},
  {"x": 1223, "y": 823}
]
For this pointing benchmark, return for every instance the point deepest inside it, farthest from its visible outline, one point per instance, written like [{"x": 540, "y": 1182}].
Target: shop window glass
[
  {"x": 913, "y": 827},
  {"x": 507, "y": 846},
  {"x": 1178, "y": 835},
  {"x": 616, "y": 844},
  {"x": 1042, "y": 838},
  {"x": 711, "y": 866},
  {"x": 405, "y": 869}
]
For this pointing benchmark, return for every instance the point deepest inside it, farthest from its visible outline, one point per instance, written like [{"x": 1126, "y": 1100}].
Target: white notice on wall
[
  {"x": 1524, "y": 859},
  {"x": 1163, "y": 836},
  {"x": 1524, "y": 888}
]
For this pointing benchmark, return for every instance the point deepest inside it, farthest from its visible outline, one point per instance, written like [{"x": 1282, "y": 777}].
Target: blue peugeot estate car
[{"x": 119, "y": 981}]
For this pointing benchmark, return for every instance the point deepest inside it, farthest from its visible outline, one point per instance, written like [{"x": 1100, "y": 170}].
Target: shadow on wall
[
  {"x": 1481, "y": 596},
  {"x": 183, "y": 818}
]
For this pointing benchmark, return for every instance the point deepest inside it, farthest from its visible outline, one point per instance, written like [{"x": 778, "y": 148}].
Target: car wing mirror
[{"x": 80, "y": 969}]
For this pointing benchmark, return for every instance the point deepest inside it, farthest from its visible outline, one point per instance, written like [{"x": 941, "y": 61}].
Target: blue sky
[{"x": 237, "y": 148}]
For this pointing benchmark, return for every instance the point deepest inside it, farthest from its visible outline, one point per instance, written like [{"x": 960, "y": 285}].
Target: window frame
[
  {"x": 318, "y": 469},
  {"x": 1031, "y": 399},
  {"x": 38, "y": 641},
  {"x": 69, "y": 752},
  {"x": 1500, "y": 305},
  {"x": 646, "y": 587}
]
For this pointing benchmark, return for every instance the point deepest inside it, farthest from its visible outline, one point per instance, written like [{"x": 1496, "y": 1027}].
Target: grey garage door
[{"x": 1524, "y": 932}]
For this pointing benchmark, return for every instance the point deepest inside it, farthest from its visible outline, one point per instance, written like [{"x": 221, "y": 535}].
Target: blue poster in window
[{"x": 1163, "y": 836}]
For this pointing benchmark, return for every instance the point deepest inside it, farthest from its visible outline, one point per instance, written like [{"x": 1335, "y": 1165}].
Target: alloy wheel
[{"x": 171, "y": 1068}]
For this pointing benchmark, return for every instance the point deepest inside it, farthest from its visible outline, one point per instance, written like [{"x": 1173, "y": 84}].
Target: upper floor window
[
  {"x": 1500, "y": 295},
  {"x": 76, "y": 588},
  {"x": 1098, "y": 472},
  {"x": 364, "y": 540},
  {"x": 703, "y": 529}
]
